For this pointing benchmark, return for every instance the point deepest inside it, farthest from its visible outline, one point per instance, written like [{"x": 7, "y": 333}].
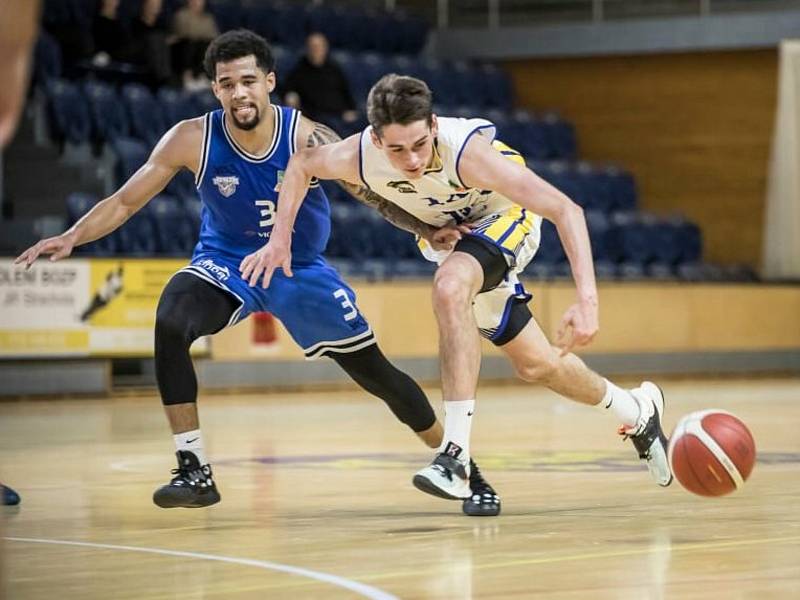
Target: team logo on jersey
[
  {"x": 404, "y": 186},
  {"x": 277, "y": 187},
  {"x": 226, "y": 185},
  {"x": 457, "y": 187}
]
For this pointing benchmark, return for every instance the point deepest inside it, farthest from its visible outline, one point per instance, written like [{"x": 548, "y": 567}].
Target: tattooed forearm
[
  {"x": 390, "y": 211},
  {"x": 321, "y": 135}
]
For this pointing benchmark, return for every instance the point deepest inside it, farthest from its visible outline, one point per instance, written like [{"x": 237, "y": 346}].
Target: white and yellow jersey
[{"x": 441, "y": 198}]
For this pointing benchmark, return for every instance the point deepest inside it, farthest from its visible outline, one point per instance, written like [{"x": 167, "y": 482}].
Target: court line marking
[
  {"x": 354, "y": 586},
  {"x": 595, "y": 555}
]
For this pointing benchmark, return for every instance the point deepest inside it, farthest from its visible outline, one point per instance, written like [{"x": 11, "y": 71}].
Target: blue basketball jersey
[{"x": 239, "y": 192}]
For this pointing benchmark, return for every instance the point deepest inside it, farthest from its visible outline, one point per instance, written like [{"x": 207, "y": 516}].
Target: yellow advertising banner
[{"x": 82, "y": 307}]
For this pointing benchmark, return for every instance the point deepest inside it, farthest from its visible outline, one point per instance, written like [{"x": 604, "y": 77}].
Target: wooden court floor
[{"x": 317, "y": 503}]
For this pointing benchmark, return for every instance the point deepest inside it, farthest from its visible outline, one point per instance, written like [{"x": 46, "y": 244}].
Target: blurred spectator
[
  {"x": 318, "y": 86},
  {"x": 112, "y": 40},
  {"x": 152, "y": 50},
  {"x": 193, "y": 28}
]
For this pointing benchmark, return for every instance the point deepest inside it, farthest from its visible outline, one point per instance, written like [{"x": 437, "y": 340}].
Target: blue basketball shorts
[{"x": 316, "y": 306}]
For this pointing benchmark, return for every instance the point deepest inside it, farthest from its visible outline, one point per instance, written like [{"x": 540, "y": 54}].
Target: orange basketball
[{"x": 711, "y": 452}]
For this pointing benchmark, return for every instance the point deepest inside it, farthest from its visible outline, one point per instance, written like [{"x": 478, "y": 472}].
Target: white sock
[
  {"x": 621, "y": 403},
  {"x": 457, "y": 428},
  {"x": 193, "y": 442}
]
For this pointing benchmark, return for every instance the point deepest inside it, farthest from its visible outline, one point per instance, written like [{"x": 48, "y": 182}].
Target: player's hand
[
  {"x": 578, "y": 326},
  {"x": 273, "y": 255},
  {"x": 57, "y": 247},
  {"x": 445, "y": 238}
]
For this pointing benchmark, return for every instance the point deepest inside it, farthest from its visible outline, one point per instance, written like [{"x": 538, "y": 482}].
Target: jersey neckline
[{"x": 276, "y": 136}]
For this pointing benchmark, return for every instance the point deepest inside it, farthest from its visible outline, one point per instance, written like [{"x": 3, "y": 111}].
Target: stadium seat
[
  {"x": 176, "y": 105},
  {"x": 137, "y": 237},
  {"x": 131, "y": 154},
  {"x": 109, "y": 119},
  {"x": 144, "y": 113},
  {"x": 68, "y": 113},
  {"x": 175, "y": 234},
  {"x": 47, "y": 60}
]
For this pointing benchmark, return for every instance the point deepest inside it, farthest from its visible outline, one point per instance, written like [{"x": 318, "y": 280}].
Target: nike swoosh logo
[
  {"x": 469, "y": 414},
  {"x": 191, "y": 441}
]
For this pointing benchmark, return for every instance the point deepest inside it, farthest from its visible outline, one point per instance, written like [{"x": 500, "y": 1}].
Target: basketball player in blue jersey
[
  {"x": 238, "y": 155},
  {"x": 444, "y": 171}
]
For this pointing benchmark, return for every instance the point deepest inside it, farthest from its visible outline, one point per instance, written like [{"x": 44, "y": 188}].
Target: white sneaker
[
  {"x": 446, "y": 477},
  {"x": 647, "y": 436}
]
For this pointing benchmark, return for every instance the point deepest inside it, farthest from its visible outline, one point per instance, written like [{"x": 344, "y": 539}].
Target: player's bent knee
[
  {"x": 536, "y": 371},
  {"x": 450, "y": 290}
]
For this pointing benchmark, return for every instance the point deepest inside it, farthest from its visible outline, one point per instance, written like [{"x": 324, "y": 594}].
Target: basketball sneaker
[
  {"x": 646, "y": 434},
  {"x": 484, "y": 501},
  {"x": 192, "y": 486},
  {"x": 9, "y": 496},
  {"x": 446, "y": 477}
]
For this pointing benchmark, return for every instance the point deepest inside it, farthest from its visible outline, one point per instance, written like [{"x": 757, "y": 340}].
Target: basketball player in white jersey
[{"x": 452, "y": 171}]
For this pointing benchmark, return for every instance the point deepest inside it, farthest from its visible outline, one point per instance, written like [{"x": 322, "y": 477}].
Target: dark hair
[
  {"x": 398, "y": 99},
  {"x": 236, "y": 44}
]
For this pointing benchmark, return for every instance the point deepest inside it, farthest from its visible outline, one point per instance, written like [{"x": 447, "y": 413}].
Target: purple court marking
[{"x": 542, "y": 462}]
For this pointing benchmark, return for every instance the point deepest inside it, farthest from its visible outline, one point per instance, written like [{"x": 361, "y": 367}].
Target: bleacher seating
[{"x": 128, "y": 118}]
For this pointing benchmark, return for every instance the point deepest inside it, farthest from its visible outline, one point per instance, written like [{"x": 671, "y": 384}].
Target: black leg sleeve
[
  {"x": 370, "y": 369},
  {"x": 188, "y": 308}
]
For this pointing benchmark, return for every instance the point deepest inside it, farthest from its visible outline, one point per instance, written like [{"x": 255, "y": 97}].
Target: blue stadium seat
[
  {"x": 176, "y": 105},
  {"x": 561, "y": 137},
  {"x": 137, "y": 237},
  {"x": 205, "y": 101},
  {"x": 598, "y": 225},
  {"x": 131, "y": 154},
  {"x": 550, "y": 249},
  {"x": 227, "y": 13},
  {"x": 109, "y": 119},
  {"x": 69, "y": 115},
  {"x": 47, "y": 61},
  {"x": 144, "y": 113},
  {"x": 605, "y": 270},
  {"x": 78, "y": 204},
  {"x": 175, "y": 234},
  {"x": 622, "y": 192},
  {"x": 182, "y": 185},
  {"x": 498, "y": 86}
]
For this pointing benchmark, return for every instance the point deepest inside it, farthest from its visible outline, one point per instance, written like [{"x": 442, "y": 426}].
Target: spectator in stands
[
  {"x": 318, "y": 86},
  {"x": 152, "y": 50},
  {"x": 193, "y": 29},
  {"x": 112, "y": 40}
]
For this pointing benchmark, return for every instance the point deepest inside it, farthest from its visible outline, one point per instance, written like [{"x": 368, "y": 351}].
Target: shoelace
[{"x": 188, "y": 475}]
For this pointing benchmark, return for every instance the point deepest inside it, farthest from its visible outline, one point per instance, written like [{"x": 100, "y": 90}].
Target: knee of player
[
  {"x": 171, "y": 325},
  {"x": 451, "y": 289},
  {"x": 536, "y": 370}
]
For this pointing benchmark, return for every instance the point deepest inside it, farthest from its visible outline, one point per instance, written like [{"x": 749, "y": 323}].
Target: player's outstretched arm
[
  {"x": 483, "y": 167},
  {"x": 178, "y": 148},
  {"x": 318, "y": 134}
]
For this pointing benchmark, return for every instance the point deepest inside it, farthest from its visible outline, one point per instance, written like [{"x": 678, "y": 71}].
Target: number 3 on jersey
[
  {"x": 346, "y": 304},
  {"x": 267, "y": 212}
]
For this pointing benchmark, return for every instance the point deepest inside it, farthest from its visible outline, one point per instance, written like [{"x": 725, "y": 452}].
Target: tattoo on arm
[
  {"x": 390, "y": 211},
  {"x": 321, "y": 135}
]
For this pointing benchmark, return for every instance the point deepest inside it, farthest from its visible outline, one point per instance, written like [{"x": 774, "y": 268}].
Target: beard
[{"x": 246, "y": 125}]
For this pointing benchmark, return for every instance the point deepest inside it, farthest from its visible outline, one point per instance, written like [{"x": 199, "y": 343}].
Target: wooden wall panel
[
  {"x": 633, "y": 318},
  {"x": 694, "y": 128}
]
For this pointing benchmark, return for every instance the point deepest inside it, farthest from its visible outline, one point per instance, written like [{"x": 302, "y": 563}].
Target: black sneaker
[
  {"x": 9, "y": 496},
  {"x": 192, "y": 486},
  {"x": 484, "y": 501}
]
